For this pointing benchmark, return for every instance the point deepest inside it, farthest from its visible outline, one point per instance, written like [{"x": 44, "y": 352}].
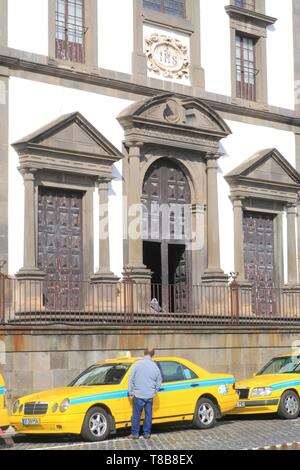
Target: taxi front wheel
[
  {"x": 289, "y": 406},
  {"x": 96, "y": 425},
  {"x": 205, "y": 414}
]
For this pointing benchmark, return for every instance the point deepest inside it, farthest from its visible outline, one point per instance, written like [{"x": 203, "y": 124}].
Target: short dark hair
[{"x": 149, "y": 352}]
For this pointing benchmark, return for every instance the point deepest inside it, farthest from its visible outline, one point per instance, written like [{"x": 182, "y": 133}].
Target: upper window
[
  {"x": 70, "y": 30},
  {"x": 174, "y": 371},
  {"x": 248, "y": 4},
  {"x": 170, "y": 7},
  {"x": 245, "y": 67}
]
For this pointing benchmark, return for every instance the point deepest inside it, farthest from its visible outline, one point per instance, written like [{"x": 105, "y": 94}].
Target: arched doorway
[{"x": 166, "y": 202}]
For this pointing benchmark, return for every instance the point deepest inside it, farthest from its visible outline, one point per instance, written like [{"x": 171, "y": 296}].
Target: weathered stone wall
[{"x": 45, "y": 357}]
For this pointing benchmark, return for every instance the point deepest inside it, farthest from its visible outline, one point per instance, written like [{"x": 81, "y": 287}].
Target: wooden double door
[
  {"x": 259, "y": 260},
  {"x": 60, "y": 249},
  {"x": 166, "y": 227}
]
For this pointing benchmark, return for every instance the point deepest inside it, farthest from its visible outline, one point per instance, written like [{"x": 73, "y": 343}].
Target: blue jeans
[{"x": 140, "y": 404}]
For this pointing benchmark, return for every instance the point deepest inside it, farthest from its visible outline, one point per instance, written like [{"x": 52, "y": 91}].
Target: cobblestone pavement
[{"x": 230, "y": 433}]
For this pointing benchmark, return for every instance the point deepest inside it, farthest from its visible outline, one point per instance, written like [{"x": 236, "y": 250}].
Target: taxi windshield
[
  {"x": 282, "y": 365},
  {"x": 102, "y": 374}
]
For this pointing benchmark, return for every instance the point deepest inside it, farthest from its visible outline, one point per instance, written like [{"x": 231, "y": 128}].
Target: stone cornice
[
  {"x": 32, "y": 63},
  {"x": 249, "y": 16}
]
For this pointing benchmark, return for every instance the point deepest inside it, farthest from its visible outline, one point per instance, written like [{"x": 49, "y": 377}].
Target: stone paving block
[
  {"x": 42, "y": 381},
  {"x": 62, "y": 378},
  {"x": 40, "y": 361},
  {"x": 60, "y": 360},
  {"x": 229, "y": 434}
]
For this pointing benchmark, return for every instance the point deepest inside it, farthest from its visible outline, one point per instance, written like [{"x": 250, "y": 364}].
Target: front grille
[
  {"x": 243, "y": 393},
  {"x": 35, "y": 408}
]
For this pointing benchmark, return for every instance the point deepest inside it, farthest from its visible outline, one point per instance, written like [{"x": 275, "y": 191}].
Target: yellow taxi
[
  {"x": 96, "y": 403},
  {"x": 4, "y": 418},
  {"x": 274, "y": 389}
]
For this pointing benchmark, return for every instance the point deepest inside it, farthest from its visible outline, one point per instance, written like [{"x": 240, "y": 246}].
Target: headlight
[
  {"x": 16, "y": 406},
  {"x": 54, "y": 407},
  {"x": 64, "y": 405},
  {"x": 261, "y": 392}
]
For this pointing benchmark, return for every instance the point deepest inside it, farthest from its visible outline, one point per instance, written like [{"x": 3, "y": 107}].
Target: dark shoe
[
  {"x": 147, "y": 436},
  {"x": 133, "y": 437}
]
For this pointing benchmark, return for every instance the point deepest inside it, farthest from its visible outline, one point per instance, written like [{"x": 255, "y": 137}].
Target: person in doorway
[
  {"x": 155, "y": 305},
  {"x": 144, "y": 382}
]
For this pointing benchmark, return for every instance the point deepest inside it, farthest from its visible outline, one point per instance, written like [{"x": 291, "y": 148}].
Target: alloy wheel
[
  {"x": 98, "y": 424},
  {"x": 291, "y": 405},
  {"x": 206, "y": 413}
]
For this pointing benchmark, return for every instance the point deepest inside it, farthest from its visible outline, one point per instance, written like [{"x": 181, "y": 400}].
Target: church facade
[{"x": 154, "y": 141}]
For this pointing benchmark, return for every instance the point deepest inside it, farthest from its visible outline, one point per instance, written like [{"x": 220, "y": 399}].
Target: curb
[{"x": 288, "y": 446}]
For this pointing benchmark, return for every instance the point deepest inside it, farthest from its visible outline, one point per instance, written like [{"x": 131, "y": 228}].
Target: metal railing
[{"x": 130, "y": 303}]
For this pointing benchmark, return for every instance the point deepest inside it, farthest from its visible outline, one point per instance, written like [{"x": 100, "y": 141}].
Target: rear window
[{"x": 174, "y": 371}]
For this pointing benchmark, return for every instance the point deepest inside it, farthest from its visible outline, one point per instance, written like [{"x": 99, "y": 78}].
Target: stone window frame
[
  {"x": 251, "y": 24},
  {"x": 189, "y": 25},
  {"x": 3, "y": 22},
  {"x": 45, "y": 163},
  {"x": 56, "y": 180},
  {"x": 91, "y": 35},
  {"x": 268, "y": 196},
  {"x": 276, "y": 209},
  {"x": 260, "y": 6}
]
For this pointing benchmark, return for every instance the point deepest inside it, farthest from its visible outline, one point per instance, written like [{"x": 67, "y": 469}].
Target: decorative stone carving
[
  {"x": 173, "y": 112},
  {"x": 167, "y": 56}
]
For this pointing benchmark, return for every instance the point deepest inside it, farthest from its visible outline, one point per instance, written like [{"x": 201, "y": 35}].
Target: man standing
[{"x": 144, "y": 382}]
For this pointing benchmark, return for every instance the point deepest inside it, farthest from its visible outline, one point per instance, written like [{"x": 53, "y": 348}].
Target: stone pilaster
[
  {"x": 136, "y": 268},
  {"x": 291, "y": 244},
  {"x": 213, "y": 273},
  {"x": 30, "y": 269},
  {"x": 104, "y": 274},
  {"x": 239, "y": 262},
  {"x": 4, "y": 105}
]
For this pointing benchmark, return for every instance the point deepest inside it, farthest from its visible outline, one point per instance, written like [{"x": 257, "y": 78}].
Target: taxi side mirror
[{"x": 254, "y": 375}]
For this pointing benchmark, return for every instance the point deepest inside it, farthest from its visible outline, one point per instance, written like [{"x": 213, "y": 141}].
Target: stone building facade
[{"x": 111, "y": 109}]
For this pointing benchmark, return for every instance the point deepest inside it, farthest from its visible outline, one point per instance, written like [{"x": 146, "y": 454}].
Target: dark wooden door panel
[
  {"x": 259, "y": 259},
  {"x": 166, "y": 184},
  {"x": 60, "y": 247}
]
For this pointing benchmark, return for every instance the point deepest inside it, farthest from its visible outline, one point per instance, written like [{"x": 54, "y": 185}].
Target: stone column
[
  {"x": 239, "y": 262},
  {"x": 213, "y": 273},
  {"x": 30, "y": 269},
  {"x": 136, "y": 268},
  {"x": 291, "y": 243},
  {"x": 104, "y": 274}
]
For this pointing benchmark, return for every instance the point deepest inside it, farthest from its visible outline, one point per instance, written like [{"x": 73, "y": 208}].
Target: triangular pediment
[
  {"x": 71, "y": 134},
  {"x": 267, "y": 166}
]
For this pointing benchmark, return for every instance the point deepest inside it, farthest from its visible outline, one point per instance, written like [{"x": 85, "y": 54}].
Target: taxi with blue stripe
[
  {"x": 4, "y": 418},
  {"x": 274, "y": 389},
  {"x": 97, "y": 404}
]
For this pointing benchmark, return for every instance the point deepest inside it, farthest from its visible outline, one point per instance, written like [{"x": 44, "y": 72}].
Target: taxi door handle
[{"x": 195, "y": 385}]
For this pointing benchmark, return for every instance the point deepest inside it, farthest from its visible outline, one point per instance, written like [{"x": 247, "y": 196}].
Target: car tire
[
  {"x": 289, "y": 406},
  {"x": 96, "y": 425},
  {"x": 205, "y": 414}
]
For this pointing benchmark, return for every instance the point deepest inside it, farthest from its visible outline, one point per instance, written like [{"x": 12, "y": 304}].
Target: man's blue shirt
[{"x": 145, "y": 379}]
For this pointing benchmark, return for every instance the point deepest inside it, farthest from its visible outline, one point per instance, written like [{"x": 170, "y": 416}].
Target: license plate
[
  {"x": 30, "y": 421},
  {"x": 241, "y": 404}
]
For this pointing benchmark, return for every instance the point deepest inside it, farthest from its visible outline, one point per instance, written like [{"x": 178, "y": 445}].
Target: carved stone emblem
[
  {"x": 167, "y": 56},
  {"x": 173, "y": 113}
]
